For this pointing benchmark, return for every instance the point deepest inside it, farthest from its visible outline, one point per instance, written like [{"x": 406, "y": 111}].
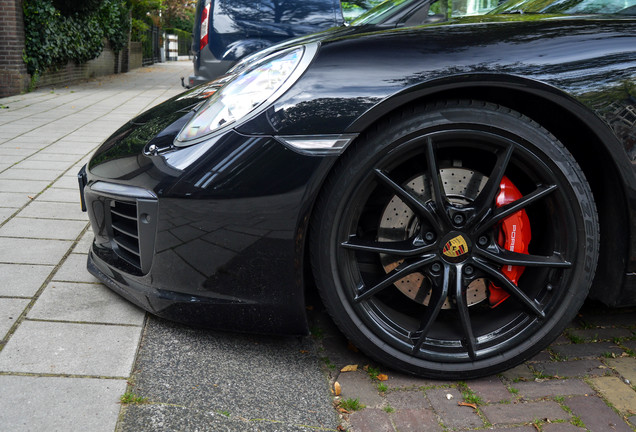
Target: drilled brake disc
[{"x": 398, "y": 223}]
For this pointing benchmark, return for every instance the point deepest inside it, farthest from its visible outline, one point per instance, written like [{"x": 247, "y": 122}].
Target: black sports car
[{"x": 453, "y": 190}]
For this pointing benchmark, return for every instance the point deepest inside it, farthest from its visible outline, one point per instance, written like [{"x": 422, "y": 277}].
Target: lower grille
[{"x": 123, "y": 217}]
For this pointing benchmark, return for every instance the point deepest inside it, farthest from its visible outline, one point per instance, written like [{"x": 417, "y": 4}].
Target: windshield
[
  {"x": 565, "y": 7},
  {"x": 441, "y": 10},
  {"x": 382, "y": 12}
]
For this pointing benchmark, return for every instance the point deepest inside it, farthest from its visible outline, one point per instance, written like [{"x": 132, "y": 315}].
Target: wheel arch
[{"x": 585, "y": 135}]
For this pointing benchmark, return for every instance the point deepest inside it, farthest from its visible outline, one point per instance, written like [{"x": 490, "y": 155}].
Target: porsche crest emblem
[{"x": 455, "y": 247}]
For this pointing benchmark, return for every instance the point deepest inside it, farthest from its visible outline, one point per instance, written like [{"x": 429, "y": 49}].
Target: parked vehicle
[
  {"x": 227, "y": 30},
  {"x": 453, "y": 190}
]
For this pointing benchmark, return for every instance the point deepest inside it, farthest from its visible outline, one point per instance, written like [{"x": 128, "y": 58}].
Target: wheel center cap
[{"x": 455, "y": 247}]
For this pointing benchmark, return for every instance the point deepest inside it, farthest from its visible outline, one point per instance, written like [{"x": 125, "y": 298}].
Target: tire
[{"x": 409, "y": 265}]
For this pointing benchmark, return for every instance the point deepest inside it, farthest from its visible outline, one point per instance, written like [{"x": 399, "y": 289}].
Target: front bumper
[{"x": 201, "y": 245}]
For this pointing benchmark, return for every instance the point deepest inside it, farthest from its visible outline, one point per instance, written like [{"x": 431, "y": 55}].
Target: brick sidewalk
[
  {"x": 67, "y": 344},
  {"x": 584, "y": 381}
]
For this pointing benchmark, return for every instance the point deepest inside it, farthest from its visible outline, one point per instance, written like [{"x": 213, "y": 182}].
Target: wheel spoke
[
  {"x": 515, "y": 206},
  {"x": 435, "y": 304},
  {"x": 410, "y": 247},
  {"x": 436, "y": 183},
  {"x": 464, "y": 315},
  {"x": 486, "y": 198},
  {"x": 506, "y": 257},
  {"x": 400, "y": 271},
  {"x": 417, "y": 205},
  {"x": 511, "y": 288}
]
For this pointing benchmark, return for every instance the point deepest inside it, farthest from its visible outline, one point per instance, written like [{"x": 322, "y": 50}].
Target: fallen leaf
[
  {"x": 449, "y": 396},
  {"x": 536, "y": 426},
  {"x": 304, "y": 352},
  {"x": 344, "y": 411},
  {"x": 365, "y": 368},
  {"x": 337, "y": 389},
  {"x": 382, "y": 377},
  {"x": 29, "y": 196},
  {"x": 341, "y": 428},
  {"x": 352, "y": 347},
  {"x": 349, "y": 368},
  {"x": 472, "y": 405}
]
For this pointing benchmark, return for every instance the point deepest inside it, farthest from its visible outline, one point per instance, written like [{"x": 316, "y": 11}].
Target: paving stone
[
  {"x": 415, "y": 420},
  {"x": 15, "y": 200},
  {"x": 613, "y": 319},
  {"x": 91, "y": 303},
  {"x": 549, "y": 388},
  {"x": 523, "y": 412},
  {"x": 27, "y": 186},
  {"x": 60, "y": 195},
  {"x": 10, "y": 310},
  {"x": 515, "y": 429},
  {"x": 30, "y": 174},
  {"x": 561, "y": 340},
  {"x": 407, "y": 400},
  {"x": 6, "y": 213},
  {"x": 85, "y": 243},
  {"x": 44, "y": 165},
  {"x": 596, "y": 415},
  {"x": 631, "y": 345},
  {"x": 53, "y": 157},
  {"x": 451, "y": 414},
  {"x": 11, "y": 156},
  {"x": 32, "y": 251},
  {"x": 571, "y": 368},
  {"x": 59, "y": 404},
  {"x": 520, "y": 372},
  {"x": 358, "y": 385},
  {"x": 625, "y": 366},
  {"x": 370, "y": 420},
  {"x": 619, "y": 394},
  {"x": 42, "y": 228},
  {"x": 490, "y": 389},
  {"x": 68, "y": 348},
  {"x": 402, "y": 381},
  {"x": 74, "y": 270},
  {"x": 86, "y": 145},
  {"x": 597, "y": 334},
  {"x": 561, "y": 427},
  {"x": 541, "y": 357},
  {"x": 69, "y": 181},
  {"x": 22, "y": 280},
  {"x": 586, "y": 350},
  {"x": 54, "y": 210}
]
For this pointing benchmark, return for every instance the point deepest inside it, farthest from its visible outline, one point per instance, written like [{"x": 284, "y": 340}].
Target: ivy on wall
[{"x": 53, "y": 37}]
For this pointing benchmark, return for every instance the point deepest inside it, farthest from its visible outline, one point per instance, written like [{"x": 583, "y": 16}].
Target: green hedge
[
  {"x": 178, "y": 32},
  {"x": 53, "y": 39}
]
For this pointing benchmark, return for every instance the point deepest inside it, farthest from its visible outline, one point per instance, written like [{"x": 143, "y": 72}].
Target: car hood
[{"x": 160, "y": 125}]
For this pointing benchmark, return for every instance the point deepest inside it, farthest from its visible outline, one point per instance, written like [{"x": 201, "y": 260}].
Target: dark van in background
[{"x": 227, "y": 30}]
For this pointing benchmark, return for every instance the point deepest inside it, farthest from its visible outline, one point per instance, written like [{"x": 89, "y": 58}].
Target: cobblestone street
[{"x": 583, "y": 381}]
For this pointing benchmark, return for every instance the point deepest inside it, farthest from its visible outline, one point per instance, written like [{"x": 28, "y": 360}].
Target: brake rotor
[{"x": 398, "y": 222}]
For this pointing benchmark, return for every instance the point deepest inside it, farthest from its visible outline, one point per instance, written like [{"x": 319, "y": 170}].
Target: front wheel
[{"x": 455, "y": 240}]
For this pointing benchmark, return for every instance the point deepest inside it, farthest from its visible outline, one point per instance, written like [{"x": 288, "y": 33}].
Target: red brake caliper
[{"x": 514, "y": 235}]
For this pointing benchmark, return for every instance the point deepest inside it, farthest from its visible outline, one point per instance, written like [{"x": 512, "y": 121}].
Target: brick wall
[
  {"x": 135, "y": 55},
  {"x": 107, "y": 63},
  {"x": 14, "y": 78},
  {"x": 13, "y": 74}
]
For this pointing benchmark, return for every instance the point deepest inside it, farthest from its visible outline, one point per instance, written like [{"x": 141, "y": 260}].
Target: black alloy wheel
[{"x": 407, "y": 246}]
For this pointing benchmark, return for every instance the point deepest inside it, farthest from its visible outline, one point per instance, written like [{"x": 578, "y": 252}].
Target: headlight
[{"x": 245, "y": 93}]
